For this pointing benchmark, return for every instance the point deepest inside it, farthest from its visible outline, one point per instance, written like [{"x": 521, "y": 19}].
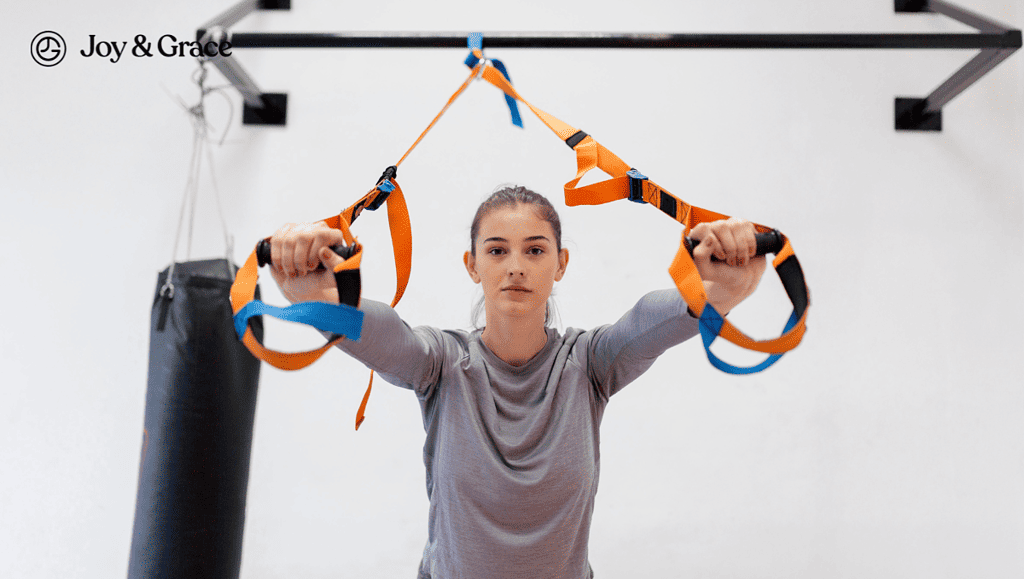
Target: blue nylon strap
[
  {"x": 711, "y": 325},
  {"x": 476, "y": 40},
  {"x": 512, "y": 107},
  {"x": 386, "y": 187},
  {"x": 338, "y": 318}
]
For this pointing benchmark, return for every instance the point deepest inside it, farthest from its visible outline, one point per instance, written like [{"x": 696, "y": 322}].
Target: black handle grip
[
  {"x": 263, "y": 253},
  {"x": 770, "y": 242}
]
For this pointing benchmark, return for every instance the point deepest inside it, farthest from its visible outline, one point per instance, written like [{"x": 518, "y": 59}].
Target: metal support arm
[{"x": 925, "y": 114}]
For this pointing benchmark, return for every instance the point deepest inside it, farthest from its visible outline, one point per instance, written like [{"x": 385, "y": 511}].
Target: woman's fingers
[
  {"x": 732, "y": 239},
  {"x": 730, "y": 247},
  {"x": 295, "y": 247},
  {"x": 329, "y": 258},
  {"x": 707, "y": 246},
  {"x": 746, "y": 242},
  {"x": 326, "y": 238},
  {"x": 277, "y": 249}
]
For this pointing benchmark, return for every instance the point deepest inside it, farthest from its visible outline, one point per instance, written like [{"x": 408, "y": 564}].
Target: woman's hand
[
  {"x": 296, "y": 249},
  {"x": 729, "y": 282}
]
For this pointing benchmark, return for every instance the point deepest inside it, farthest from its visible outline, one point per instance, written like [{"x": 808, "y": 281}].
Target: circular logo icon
[{"x": 48, "y": 48}]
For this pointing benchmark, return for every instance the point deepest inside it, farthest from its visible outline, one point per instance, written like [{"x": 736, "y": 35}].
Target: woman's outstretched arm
[
  {"x": 620, "y": 352},
  {"x": 404, "y": 356}
]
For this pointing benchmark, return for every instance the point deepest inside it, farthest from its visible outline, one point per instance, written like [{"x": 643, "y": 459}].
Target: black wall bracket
[
  {"x": 995, "y": 41},
  {"x": 925, "y": 114},
  {"x": 259, "y": 108}
]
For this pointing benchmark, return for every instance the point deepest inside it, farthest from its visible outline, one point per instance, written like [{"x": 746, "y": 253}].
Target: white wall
[{"x": 888, "y": 445}]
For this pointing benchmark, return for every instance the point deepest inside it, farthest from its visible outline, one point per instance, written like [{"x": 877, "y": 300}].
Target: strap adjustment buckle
[
  {"x": 384, "y": 187},
  {"x": 636, "y": 186}
]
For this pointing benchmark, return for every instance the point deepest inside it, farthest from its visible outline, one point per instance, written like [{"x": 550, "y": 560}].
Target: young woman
[{"x": 512, "y": 411}]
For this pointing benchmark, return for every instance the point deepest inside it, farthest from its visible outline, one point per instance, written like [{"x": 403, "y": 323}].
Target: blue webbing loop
[
  {"x": 512, "y": 107},
  {"x": 710, "y": 326},
  {"x": 338, "y": 318},
  {"x": 636, "y": 186},
  {"x": 476, "y": 41}
]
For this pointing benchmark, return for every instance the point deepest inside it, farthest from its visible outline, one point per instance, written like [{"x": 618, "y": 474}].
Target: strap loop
[
  {"x": 627, "y": 183},
  {"x": 475, "y": 42}
]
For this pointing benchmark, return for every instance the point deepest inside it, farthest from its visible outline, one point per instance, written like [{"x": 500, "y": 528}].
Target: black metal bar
[{"x": 1008, "y": 39}]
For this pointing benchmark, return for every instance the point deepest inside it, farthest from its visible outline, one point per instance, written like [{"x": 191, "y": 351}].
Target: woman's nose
[{"x": 515, "y": 267}]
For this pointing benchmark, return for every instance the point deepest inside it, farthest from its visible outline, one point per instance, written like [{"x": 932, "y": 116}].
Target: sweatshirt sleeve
[
  {"x": 619, "y": 353},
  {"x": 407, "y": 357}
]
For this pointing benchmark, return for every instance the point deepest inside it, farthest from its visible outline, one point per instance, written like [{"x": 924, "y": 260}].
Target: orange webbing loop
[
  {"x": 399, "y": 224},
  {"x": 401, "y": 243},
  {"x": 401, "y": 228},
  {"x": 243, "y": 291},
  {"x": 590, "y": 155}
]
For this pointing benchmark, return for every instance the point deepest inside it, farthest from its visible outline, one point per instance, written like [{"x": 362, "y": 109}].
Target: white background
[{"x": 887, "y": 445}]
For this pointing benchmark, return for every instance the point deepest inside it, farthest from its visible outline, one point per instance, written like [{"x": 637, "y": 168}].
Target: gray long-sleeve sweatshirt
[{"x": 512, "y": 452}]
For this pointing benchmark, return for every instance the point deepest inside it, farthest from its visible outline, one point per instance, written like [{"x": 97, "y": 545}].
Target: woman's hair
[{"x": 511, "y": 196}]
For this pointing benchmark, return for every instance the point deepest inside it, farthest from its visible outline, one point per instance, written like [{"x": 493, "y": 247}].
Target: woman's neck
[{"x": 515, "y": 340}]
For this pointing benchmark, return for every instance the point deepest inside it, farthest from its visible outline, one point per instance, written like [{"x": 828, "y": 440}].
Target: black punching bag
[{"x": 200, "y": 405}]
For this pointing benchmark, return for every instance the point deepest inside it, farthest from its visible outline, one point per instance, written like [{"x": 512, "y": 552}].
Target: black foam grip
[
  {"x": 770, "y": 242},
  {"x": 263, "y": 253}
]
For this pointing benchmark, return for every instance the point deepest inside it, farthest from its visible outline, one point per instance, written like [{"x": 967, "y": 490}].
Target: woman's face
[{"x": 516, "y": 262}]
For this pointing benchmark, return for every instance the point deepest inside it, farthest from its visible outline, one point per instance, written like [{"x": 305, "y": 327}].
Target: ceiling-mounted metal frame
[{"x": 995, "y": 40}]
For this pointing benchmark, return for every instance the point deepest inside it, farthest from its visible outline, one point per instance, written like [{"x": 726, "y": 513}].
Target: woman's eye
[
  {"x": 496, "y": 251},
  {"x": 536, "y": 250}
]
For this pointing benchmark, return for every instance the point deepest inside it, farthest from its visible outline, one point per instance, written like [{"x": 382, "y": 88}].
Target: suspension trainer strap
[
  {"x": 626, "y": 183},
  {"x": 343, "y": 320}
]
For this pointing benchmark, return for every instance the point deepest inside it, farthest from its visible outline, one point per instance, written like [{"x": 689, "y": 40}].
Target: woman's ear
[
  {"x": 470, "y": 260},
  {"x": 563, "y": 262}
]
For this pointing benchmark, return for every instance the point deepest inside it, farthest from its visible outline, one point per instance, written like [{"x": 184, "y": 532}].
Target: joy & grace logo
[{"x": 49, "y": 48}]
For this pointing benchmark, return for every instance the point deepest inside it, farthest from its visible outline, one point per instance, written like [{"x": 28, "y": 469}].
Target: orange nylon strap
[
  {"x": 399, "y": 224},
  {"x": 590, "y": 155},
  {"x": 401, "y": 242},
  {"x": 243, "y": 291},
  {"x": 401, "y": 228},
  {"x": 244, "y": 287},
  {"x": 472, "y": 74}
]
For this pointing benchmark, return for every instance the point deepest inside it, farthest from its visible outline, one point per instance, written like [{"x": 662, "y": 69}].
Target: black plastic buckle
[
  {"x": 389, "y": 173},
  {"x": 636, "y": 186},
  {"x": 382, "y": 196}
]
